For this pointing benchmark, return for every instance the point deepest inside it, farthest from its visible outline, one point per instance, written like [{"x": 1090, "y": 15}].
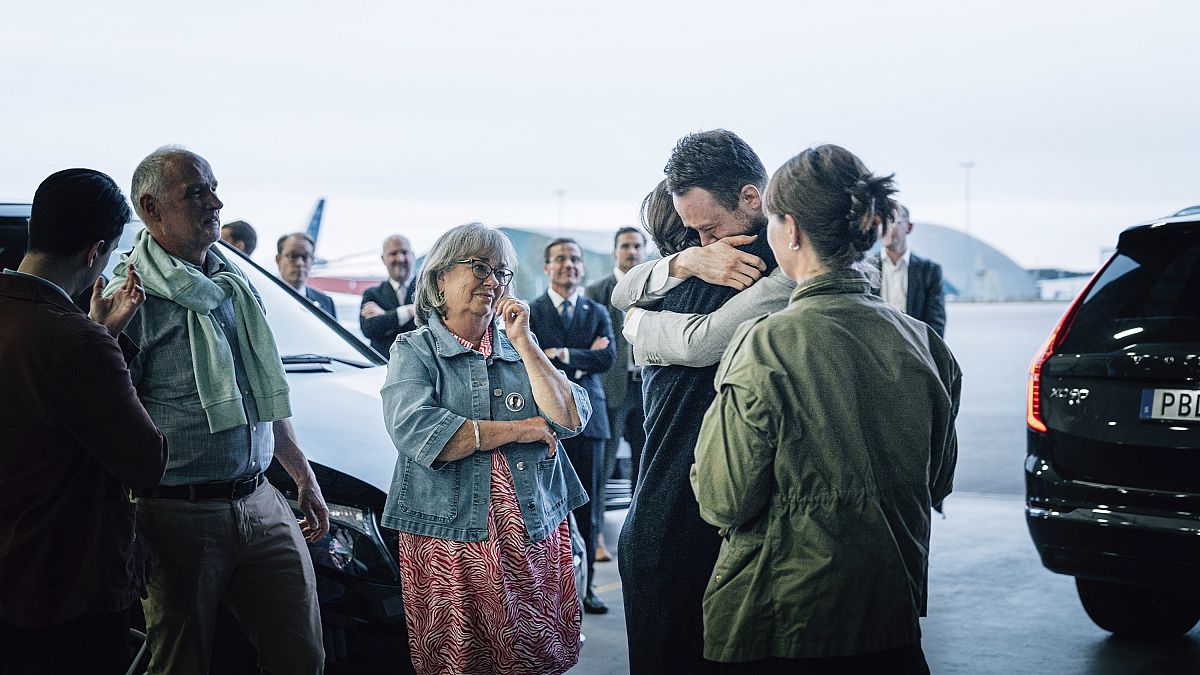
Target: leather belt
[{"x": 231, "y": 490}]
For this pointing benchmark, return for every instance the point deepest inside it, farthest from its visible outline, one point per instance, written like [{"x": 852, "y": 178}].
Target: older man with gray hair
[{"x": 210, "y": 376}]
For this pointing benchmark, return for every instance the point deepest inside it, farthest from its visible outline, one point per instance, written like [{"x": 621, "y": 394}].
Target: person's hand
[
  {"x": 115, "y": 311},
  {"x": 600, "y": 342},
  {"x": 537, "y": 429},
  {"x": 551, "y": 352},
  {"x": 371, "y": 309},
  {"x": 721, "y": 263},
  {"x": 316, "y": 514},
  {"x": 515, "y": 315}
]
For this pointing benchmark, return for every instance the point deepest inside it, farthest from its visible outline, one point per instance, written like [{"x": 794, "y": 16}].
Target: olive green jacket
[{"x": 831, "y": 435}]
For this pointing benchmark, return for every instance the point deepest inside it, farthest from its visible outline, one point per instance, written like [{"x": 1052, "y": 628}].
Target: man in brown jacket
[{"x": 72, "y": 436}]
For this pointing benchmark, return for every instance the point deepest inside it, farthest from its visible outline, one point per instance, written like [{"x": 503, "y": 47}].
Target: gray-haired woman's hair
[
  {"x": 839, "y": 204},
  {"x": 148, "y": 177},
  {"x": 473, "y": 240}
]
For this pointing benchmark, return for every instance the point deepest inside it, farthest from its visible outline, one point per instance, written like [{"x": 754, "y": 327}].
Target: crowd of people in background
[{"x": 788, "y": 402}]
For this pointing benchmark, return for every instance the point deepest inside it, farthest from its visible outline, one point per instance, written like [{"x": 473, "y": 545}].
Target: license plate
[{"x": 1170, "y": 404}]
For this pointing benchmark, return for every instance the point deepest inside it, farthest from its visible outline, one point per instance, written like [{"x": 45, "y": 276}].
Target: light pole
[
  {"x": 969, "y": 264},
  {"x": 561, "y": 194},
  {"x": 966, "y": 167}
]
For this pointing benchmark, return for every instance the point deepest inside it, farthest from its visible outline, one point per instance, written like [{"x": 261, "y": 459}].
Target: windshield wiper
[{"x": 293, "y": 359}]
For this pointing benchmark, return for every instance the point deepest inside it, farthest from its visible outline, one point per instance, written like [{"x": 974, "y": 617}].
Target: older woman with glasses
[{"x": 480, "y": 493}]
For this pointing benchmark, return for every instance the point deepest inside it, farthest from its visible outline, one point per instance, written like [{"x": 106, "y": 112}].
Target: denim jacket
[{"x": 433, "y": 385}]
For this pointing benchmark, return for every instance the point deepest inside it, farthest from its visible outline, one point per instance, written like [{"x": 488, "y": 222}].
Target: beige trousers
[{"x": 246, "y": 553}]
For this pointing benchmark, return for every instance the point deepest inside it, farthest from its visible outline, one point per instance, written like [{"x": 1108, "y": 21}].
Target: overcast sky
[{"x": 1079, "y": 116}]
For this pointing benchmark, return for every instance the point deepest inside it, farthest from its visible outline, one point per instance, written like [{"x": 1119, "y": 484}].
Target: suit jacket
[
  {"x": 693, "y": 339},
  {"x": 926, "y": 297},
  {"x": 320, "y": 300},
  {"x": 72, "y": 435},
  {"x": 615, "y": 379},
  {"x": 591, "y": 321},
  {"x": 382, "y": 330}
]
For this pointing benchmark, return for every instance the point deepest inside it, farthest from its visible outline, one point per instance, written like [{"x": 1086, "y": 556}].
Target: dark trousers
[
  {"x": 906, "y": 660},
  {"x": 587, "y": 456},
  {"x": 90, "y": 643},
  {"x": 626, "y": 421},
  {"x": 246, "y": 554}
]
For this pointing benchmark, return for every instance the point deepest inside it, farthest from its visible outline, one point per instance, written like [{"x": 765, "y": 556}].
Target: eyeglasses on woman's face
[{"x": 482, "y": 270}]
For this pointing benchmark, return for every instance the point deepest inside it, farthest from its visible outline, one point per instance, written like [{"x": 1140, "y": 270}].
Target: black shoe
[{"x": 592, "y": 604}]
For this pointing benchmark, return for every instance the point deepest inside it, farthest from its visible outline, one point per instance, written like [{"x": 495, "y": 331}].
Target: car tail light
[{"x": 1033, "y": 399}]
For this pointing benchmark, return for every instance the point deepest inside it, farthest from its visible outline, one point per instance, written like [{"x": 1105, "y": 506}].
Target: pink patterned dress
[{"x": 502, "y": 605}]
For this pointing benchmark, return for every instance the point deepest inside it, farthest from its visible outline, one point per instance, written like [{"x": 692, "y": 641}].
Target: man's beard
[{"x": 758, "y": 223}]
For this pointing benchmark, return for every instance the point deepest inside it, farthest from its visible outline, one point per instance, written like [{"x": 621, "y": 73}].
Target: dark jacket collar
[{"x": 24, "y": 288}]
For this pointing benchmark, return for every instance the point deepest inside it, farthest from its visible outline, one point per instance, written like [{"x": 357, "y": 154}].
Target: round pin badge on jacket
[{"x": 515, "y": 402}]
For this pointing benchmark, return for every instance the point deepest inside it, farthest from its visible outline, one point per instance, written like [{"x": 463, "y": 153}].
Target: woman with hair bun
[{"x": 831, "y": 435}]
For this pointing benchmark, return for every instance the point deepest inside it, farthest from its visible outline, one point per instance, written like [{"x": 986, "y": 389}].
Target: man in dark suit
[
  {"x": 73, "y": 436},
  {"x": 387, "y": 309},
  {"x": 622, "y": 382},
  {"x": 908, "y": 282},
  {"x": 576, "y": 335},
  {"x": 294, "y": 257}
]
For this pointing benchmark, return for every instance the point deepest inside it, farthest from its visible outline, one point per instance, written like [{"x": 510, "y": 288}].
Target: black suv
[{"x": 1112, "y": 474}]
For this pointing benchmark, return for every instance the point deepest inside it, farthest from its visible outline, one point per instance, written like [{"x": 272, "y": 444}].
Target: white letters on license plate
[{"x": 1170, "y": 404}]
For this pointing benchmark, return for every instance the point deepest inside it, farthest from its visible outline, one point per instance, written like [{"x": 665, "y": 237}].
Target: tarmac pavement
[{"x": 993, "y": 608}]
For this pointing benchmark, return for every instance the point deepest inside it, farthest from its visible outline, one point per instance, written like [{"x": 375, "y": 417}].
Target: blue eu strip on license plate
[{"x": 1170, "y": 404}]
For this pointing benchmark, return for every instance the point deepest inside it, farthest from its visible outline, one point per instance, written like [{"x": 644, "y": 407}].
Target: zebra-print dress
[{"x": 502, "y": 605}]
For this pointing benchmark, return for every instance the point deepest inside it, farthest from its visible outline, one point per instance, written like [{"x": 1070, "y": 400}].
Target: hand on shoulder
[{"x": 720, "y": 263}]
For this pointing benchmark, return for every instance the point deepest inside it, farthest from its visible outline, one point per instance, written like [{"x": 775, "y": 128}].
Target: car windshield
[
  {"x": 302, "y": 334},
  {"x": 12, "y": 239},
  {"x": 1149, "y": 293}
]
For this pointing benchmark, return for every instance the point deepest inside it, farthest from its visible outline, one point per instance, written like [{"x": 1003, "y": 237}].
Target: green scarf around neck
[{"x": 168, "y": 277}]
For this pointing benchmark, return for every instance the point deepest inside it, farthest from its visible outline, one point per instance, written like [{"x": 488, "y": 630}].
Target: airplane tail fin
[{"x": 314, "y": 225}]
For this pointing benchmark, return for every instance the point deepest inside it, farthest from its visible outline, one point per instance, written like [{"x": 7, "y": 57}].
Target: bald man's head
[{"x": 398, "y": 257}]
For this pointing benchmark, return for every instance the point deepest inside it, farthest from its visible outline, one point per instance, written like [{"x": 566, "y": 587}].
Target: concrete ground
[{"x": 993, "y": 608}]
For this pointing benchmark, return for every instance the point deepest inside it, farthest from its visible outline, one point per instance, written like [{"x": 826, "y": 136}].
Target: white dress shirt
[
  {"x": 894, "y": 288},
  {"x": 406, "y": 311}
]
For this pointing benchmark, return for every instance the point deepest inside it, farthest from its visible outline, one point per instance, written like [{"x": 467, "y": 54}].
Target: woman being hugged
[
  {"x": 480, "y": 493},
  {"x": 831, "y": 435}
]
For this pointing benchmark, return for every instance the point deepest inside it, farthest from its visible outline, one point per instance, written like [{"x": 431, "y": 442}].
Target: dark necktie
[{"x": 568, "y": 313}]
